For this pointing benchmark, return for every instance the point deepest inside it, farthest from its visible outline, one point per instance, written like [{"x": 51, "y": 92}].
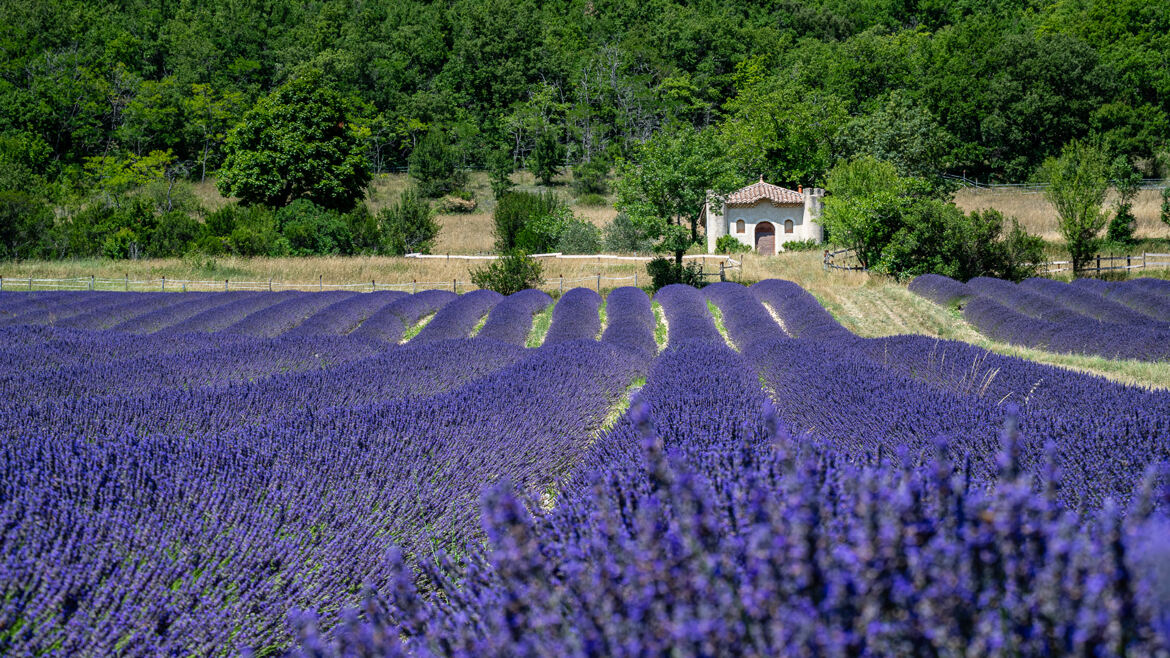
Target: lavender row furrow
[
  {"x": 389, "y": 323},
  {"x": 1093, "y": 305},
  {"x": 939, "y": 289},
  {"x": 220, "y": 317},
  {"x": 287, "y": 314},
  {"x": 162, "y": 318},
  {"x": 510, "y": 320},
  {"x": 630, "y": 322},
  {"x": 343, "y": 316},
  {"x": 459, "y": 317},
  {"x": 575, "y": 317}
]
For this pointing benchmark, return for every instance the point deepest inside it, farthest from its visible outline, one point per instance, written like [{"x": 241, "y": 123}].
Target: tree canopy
[{"x": 296, "y": 143}]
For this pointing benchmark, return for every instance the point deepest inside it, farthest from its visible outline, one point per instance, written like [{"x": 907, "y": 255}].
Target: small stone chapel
[{"x": 765, "y": 216}]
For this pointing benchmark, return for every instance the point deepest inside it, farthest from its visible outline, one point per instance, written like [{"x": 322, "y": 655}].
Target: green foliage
[
  {"x": 591, "y": 200},
  {"x": 510, "y": 273},
  {"x": 728, "y": 244},
  {"x": 515, "y": 210},
  {"x": 664, "y": 272},
  {"x": 24, "y": 162},
  {"x": 500, "y": 166},
  {"x": 176, "y": 234},
  {"x": 665, "y": 181},
  {"x": 1077, "y": 182},
  {"x": 542, "y": 233},
  {"x": 409, "y": 225},
  {"x": 902, "y": 133},
  {"x": 434, "y": 165},
  {"x": 936, "y": 237},
  {"x": 298, "y": 142},
  {"x": 25, "y": 225},
  {"x": 547, "y": 156},
  {"x": 623, "y": 234},
  {"x": 590, "y": 177},
  {"x": 312, "y": 230},
  {"x": 865, "y": 206},
  {"x": 1127, "y": 181},
  {"x": 803, "y": 245},
  {"x": 1165, "y": 211},
  {"x": 115, "y": 175},
  {"x": 579, "y": 237}
]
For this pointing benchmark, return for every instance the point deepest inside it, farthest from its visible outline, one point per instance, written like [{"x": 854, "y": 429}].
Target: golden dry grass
[{"x": 1038, "y": 216}]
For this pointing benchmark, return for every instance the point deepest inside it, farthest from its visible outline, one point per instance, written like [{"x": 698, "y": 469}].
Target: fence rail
[
  {"x": 1036, "y": 188},
  {"x": 1097, "y": 264},
  {"x": 164, "y": 284}
]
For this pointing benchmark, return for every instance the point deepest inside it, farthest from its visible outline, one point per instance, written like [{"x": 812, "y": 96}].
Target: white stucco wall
[
  {"x": 803, "y": 216},
  {"x": 766, "y": 212}
]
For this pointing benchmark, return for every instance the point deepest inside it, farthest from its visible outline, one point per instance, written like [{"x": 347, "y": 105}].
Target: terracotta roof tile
[{"x": 761, "y": 191}]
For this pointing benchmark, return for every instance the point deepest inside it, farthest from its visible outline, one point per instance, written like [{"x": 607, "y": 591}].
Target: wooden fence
[
  {"x": 726, "y": 266},
  {"x": 844, "y": 259}
]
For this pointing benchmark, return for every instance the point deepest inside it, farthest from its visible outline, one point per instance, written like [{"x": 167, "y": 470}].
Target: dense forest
[{"x": 97, "y": 98}]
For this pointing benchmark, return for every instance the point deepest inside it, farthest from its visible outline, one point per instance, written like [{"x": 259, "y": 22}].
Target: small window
[
  {"x": 788, "y": 226},
  {"x": 739, "y": 227}
]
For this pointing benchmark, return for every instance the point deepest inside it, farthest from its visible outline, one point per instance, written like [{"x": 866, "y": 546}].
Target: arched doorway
[{"x": 765, "y": 238}]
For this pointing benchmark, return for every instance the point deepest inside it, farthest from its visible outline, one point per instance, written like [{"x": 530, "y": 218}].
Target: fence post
[
  {"x": 635, "y": 278},
  {"x": 413, "y": 286},
  {"x": 164, "y": 284},
  {"x": 30, "y": 283},
  {"x": 320, "y": 286},
  {"x": 722, "y": 274},
  {"x": 127, "y": 282},
  {"x": 1143, "y": 260},
  {"x": 454, "y": 282},
  {"x": 373, "y": 286},
  {"x": 1, "y": 283},
  {"x": 562, "y": 284},
  {"x": 599, "y": 282},
  {"x": 269, "y": 284},
  {"x": 225, "y": 285},
  {"x": 91, "y": 282},
  {"x": 1127, "y": 263},
  {"x": 1098, "y": 265}
]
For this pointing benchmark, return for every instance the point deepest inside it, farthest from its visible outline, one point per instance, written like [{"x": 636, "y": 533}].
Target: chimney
[{"x": 800, "y": 188}]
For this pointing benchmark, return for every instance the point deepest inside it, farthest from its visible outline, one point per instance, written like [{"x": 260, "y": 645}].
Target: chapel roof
[{"x": 761, "y": 191}]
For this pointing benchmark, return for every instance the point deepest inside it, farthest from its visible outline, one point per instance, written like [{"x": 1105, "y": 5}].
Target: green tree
[
  {"x": 433, "y": 164},
  {"x": 115, "y": 175},
  {"x": 902, "y": 133},
  {"x": 779, "y": 128},
  {"x": 409, "y": 225},
  {"x": 1127, "y": 181},
  {"x": 500, "y": 172},
  {"x": 296, "y": 143},
  {"x": 510, "y": 273},
  {"x": 666, "y": 179},
  {"x": 865, "y": 206},
  {"x": 209, "y": 116},
  {"x": 1076, "y": 185},
  {"x": 547, "y": 156},
  {"x": 516, "y": 210}
]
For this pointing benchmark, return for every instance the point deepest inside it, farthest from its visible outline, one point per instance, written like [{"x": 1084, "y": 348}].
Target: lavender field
[
  {"x": 1115, "y": 320},
  {"x": 383, "y": 474}
]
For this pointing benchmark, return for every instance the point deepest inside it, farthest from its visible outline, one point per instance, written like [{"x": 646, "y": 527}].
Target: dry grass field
[{"x": 1039, "y": 217}]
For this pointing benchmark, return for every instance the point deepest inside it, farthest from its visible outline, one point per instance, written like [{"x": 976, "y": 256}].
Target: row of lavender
[
  {"x": 1116, "y": 320},
  {"x": 265, "y": 451},
  {"x": 900, "y": 496}
]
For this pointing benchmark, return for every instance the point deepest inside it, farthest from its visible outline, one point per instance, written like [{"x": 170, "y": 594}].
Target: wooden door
[{"x": 765, "y": 238}]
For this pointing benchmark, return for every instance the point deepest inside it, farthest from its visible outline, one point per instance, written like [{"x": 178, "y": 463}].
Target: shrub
[
  {"x": 590, "y": 177},
  {"x": 802, "y": 245},
  {"x": 591, "y": 200},
  {"x": 26, "y": 224},
  {"x": 512, "y": 272},
  {"x": 500, "y": 166},
  {"x": 433, "y": 165},
  {"x": 546, "y": 157},
  {"x": 177, "y": 233},
  {"x": 1120, "y": 230},
  {"x": 251, "y": 231},
  {"x": 515, "y": 210},
  {"x": 622, "y": 234},
  {"x": 579, "y": 237},
  {"x": 542, "y": 233},
  {"x": 409, "y": 225},
  {"x": 728, "y": 244},
  {"x": 122, "y": 244},
  {"x": 312, "y": 230},
  {"x": 664, "y": 271},
  {"x": 364, "y": 230}
]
